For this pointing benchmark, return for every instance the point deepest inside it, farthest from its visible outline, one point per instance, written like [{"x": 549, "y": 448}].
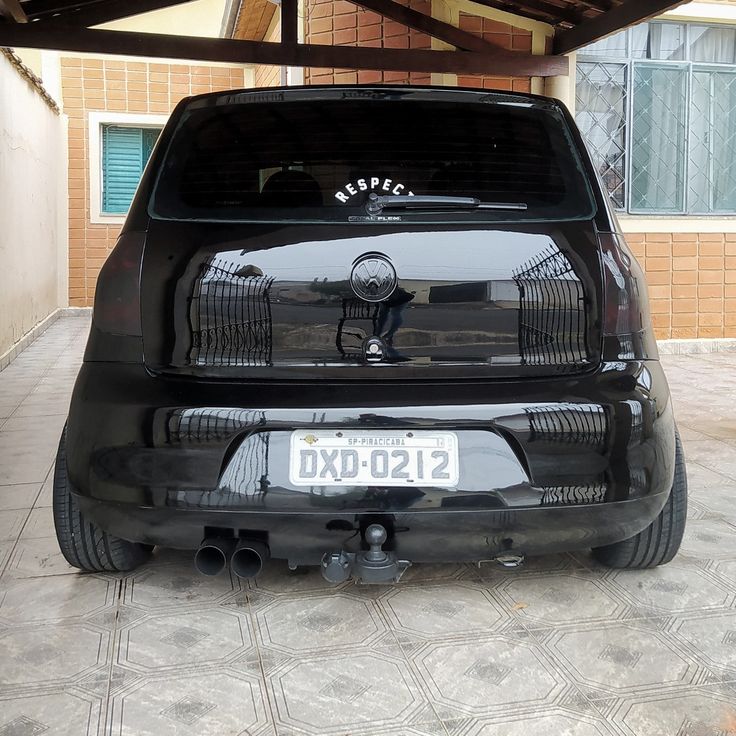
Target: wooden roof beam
[
  {"x": 12, "y": 9},
  {"x": 425, "y": 23},
  {"x": 600, "y": 6},
  {"x": 544, "y": 12},
  {"x": 566, "y": 15},
  {"x": 496, "y": 63},
  {"x": 289, "y": 22},
  {"x": 38, "y": 9},
  {"x": 614, "y": 20}
]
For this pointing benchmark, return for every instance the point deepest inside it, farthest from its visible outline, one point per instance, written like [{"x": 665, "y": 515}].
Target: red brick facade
[
  {"x": 344, "y": 24},
  {"x": 692, "y": 282},
  {"x": 504, "y": 36},
  {"x": 91, "y": 84}
]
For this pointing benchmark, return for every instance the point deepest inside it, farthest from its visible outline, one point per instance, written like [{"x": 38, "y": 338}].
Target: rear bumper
[
  {"x": 549, "y": 465},
  {"x": 435, "y": 536}
]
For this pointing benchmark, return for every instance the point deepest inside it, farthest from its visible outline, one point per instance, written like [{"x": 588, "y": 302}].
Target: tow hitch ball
[{"x": 368, "y": 566}]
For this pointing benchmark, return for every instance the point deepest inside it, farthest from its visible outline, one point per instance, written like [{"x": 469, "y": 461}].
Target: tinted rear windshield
[{"x": 319, "y": 160}]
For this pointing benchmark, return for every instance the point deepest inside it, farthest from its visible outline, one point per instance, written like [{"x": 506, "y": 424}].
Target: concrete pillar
[{"x": 563, "y": 88}]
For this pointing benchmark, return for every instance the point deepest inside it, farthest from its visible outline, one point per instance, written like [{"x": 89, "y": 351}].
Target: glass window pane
[
  {"x": 713, "y": 44},
  {"x": 658, "y": 41},
  {"x": 601, "y": 116},
  {"x": 723, "y": 131},
  {"x": 658, "y": 138},
  {"x": 614, "y": 46},
  {"x": 712, "y": 175},
  {"x": 328, "y": 159},
  {"x": 699, "y": 187}
]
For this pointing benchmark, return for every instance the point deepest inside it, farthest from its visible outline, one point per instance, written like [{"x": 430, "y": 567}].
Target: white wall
[
  {"x": 33, "y": 208},
  {"x": 198, "y": 18}
]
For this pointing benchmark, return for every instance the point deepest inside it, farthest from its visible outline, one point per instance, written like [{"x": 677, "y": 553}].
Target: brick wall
[
  {"x": 341, "y": 23},
  {"x": 692, "y": 282},
  {"x": 504, "y": 36},
  {"x": 116, "y": 86}
]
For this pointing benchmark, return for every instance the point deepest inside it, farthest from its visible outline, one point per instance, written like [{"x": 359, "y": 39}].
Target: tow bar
[{"x": 369, "y": 566}]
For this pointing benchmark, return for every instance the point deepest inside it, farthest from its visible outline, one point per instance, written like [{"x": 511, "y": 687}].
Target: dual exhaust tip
[{"x": 246, "y": 557}]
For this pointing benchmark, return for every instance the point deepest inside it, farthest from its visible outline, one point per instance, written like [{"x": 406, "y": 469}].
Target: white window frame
[{"x": 95, "y": 122}]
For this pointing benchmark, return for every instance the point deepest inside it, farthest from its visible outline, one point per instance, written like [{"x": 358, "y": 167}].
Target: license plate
[{"x": 373, "y": 458}]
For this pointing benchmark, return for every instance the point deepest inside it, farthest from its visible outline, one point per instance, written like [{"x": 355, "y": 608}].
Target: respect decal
[{"x": 371, "y": 184}]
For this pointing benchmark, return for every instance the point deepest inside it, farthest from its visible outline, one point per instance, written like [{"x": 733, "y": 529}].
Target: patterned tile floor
[{"x": 560, "y": 647}]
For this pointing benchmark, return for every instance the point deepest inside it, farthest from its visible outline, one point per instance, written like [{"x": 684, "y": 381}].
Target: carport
[
  {"x": 53, "y": 24},
  {"x": 454, "y": 56},
  {"x": 560, "y": 646}
]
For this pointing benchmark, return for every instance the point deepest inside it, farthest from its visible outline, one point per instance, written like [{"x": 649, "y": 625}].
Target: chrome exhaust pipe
[
  {"x": 248, "y": 557},
  {"x": 212, "y": 555}
]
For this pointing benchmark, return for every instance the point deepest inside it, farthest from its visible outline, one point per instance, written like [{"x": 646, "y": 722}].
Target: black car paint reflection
[
  {"x": 554, "y": 454},
  {"x": 490, "y": 308}
]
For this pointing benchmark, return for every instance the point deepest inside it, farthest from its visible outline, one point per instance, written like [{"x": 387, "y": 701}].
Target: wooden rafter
[
  {"x": 289, "y": 22},
  {"x": 496, "y": 63},
  {"x": 36, "y": 9},
  {"x": 425, "y": 23},
  {"x": 13, "y": 9},
  {"x": 599, "y": 6},
  {"x": 539, "y": 9},
  {"x": 607, "y": 23}
]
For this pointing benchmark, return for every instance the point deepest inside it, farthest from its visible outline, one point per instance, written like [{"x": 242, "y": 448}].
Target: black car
[{"x": 361, "y": 327}]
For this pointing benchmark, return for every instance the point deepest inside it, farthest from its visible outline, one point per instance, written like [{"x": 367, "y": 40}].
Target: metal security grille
[
  {"x": 230, "y": 318},
  {"x": 658, "y": 140},
  {"x": 578, "y": 424},
  {"x": 601, "y": 99},
  {"x": 358, "y": 320},
  {"x": 656, "y": 105},
  {"x": 712, "y": 183},
  {"x": 552, "y": 315}
]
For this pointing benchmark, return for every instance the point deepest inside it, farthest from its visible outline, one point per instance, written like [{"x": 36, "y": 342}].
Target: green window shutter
[{"x": 125, "y": 151}]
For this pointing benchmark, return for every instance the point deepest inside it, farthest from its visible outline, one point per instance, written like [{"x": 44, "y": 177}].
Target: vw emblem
[{"x": 373, "y": 277}]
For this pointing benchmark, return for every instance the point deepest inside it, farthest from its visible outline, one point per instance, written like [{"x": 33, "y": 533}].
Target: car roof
[{"x": 348, "y": 92}]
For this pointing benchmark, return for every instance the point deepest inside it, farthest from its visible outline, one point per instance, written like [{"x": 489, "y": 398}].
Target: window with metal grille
[
  {"x": 125, "y": 152},
  {"x": 656, "y": 104}
]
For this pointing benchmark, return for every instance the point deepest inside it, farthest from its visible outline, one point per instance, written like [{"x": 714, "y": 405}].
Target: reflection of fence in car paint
[
  {"x": 350, "y": 344},
  {"x": 231, "y": 318},
  {"x": 579, "y": 424},
  {"x": 573, "y": 495},
  {"x": 246, "y": 475},
  {"x": 211, "y": 424},
  {"x": 637, "y": 422},
  {"x": 552, "y": 317}
]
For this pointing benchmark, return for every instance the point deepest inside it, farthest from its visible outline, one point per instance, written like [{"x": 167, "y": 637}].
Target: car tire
[
  {"x": 83, "y": 544},
  {"x": 660, "y": 541}
]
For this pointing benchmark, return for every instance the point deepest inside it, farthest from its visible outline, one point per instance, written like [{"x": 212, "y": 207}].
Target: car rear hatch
[
  {"x": 266, "y": 259},
  {"x": 275, "y": 303}
]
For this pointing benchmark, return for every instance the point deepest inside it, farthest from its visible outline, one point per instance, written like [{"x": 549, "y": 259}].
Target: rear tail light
[
  {"x": 627, "y": 330},
  {"x": 117, "y": 297}
]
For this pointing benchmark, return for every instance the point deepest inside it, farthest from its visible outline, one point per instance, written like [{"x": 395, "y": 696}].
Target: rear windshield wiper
[{"x": 378, "y": 203}]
